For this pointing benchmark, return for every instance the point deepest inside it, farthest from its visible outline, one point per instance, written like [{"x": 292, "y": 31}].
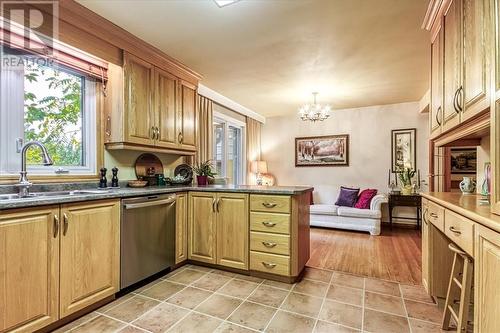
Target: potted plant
[
  {"x": 405, "y": 177},
  {"x": 203, "y": 171}
]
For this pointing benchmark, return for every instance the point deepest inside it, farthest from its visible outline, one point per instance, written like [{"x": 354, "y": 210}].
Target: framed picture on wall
[
  {"x": 463, "y": 160},
  {"x": 330, "y": 150},
  {"x": 404, "y": 149}
]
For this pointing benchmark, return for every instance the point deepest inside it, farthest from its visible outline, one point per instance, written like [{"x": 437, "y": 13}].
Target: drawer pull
[
  {"x": 56, "y": 225},
  {"x": 268, "y": 204},
  {"x": 452, "y": 229},
  {"x": 434, "y": 215},
  {"x": 269, "y": 244},
  {"x": 268, "y": 264},
  {"x": 269, "y": 224}
]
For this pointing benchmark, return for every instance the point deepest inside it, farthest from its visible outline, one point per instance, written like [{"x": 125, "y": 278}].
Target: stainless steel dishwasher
[{"x": 147, "y": 237}]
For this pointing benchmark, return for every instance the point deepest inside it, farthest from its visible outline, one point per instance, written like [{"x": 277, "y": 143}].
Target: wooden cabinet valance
[{"x": 148, "y": 107}]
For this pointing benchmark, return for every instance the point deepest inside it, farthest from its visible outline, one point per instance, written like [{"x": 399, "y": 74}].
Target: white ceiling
[{"x": 269, "y": 55}]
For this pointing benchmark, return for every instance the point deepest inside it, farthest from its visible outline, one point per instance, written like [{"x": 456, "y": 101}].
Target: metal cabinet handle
[
  {"x": 56, "y": 225},
  {"x": 268, "y": 264},
  {"x": 108, "y": 126},
  {"x": 217, "y": 205},
  {"x": 434, "y": 215},
  {"x": 152, "y": 132},
  {"x": 437, "y": 115},
  {"x": 452, "y": 229},
  {"x": 269, "y": 244},
  {"x": 268, "y": 204},
  {"x": 65, "y": 224},
  {"x": 213, "y": 205},
  {"x": 455, "y": 102},
  {"x": 269, "y": 224},
  {"x": 424, "y": 217},
  {"x": 459, "y": 98},
  {"x": 180, "y": 137}
]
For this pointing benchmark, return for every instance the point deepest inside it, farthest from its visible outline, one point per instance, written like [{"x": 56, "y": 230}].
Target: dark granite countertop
[{"x": 127, "y": 192}]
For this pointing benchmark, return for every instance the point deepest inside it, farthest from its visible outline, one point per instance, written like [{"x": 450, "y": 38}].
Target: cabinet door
[
  {"x": 452, "y": 64},
  {"x": 425, "y": 248},
  {"x": 29, "y": 269},
  {"x": 165, "y": 108},
  {"x": 436, "y": 109},
  {"x": 486, "y": 273},
  {"x": 139, "y": 117},
  {"x": 232, "y": 230},
  {"x": 90, "y": 248},
  {"x": 495, "y": 112},
  {"x": 476, "y": 44},
  {"x": 202, "y": 227},
  {"x": 181, "y": 228},
  {"x": 187, "y": 116}
]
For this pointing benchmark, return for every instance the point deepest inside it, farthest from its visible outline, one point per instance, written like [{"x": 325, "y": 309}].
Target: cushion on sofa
[
  {"x": 322, "y": 209},
  {"x": 347, "y": 196},
  {"x": 362, "y": 213},
  {"x": 365, "y": 198}
]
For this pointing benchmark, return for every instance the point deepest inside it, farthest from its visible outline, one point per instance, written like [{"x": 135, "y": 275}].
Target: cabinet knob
[
  {"x": 268, "y": 264},
  {"x": 269, "y": 224}
]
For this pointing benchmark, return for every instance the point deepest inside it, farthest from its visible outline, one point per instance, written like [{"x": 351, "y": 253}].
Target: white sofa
[{"x": 332, "y": 216}]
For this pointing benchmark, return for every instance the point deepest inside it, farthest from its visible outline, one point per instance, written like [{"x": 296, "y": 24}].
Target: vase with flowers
[
  {"x": 203, "y": 171},
  {"x": 406, "y": 177}
]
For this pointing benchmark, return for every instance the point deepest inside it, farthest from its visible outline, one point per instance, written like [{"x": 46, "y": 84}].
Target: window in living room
[{"x": 229, "y": 149}]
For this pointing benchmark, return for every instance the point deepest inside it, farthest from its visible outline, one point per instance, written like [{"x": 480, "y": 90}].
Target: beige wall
[
  {"x": 369, "y": 130},
  {"x": 124, "y": 160}
]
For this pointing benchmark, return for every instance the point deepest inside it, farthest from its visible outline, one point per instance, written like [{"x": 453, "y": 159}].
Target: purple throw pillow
[
  {"x": 365, "y": 198},
  {"x": 347, "y": 197}
]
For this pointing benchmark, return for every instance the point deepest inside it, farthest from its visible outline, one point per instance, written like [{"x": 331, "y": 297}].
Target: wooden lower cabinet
[
  {"x": 425, "y": 247},
  {"x": 487, "y": 272},
  {"x": 218, "y": 228},
  {"x": 202, "y": 227},
  {"x": 29, "y": 269},
  {"x": 232, "y": 230},
  {"x": 90, "y": 248},
  {"x": 181, "y": 228}
]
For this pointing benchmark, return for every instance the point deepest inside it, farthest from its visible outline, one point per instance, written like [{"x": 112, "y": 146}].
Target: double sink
[{"x": 16, "y": 196}]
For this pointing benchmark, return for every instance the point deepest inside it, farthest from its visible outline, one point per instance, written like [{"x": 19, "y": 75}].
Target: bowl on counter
[{"x": 137, "y": 183}]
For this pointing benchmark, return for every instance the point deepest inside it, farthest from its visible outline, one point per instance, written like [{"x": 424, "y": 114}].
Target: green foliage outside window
[{"x": 53, "y": 113}]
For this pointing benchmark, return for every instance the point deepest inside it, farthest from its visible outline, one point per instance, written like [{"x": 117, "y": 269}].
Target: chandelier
[{"x": 314, "y": 112}]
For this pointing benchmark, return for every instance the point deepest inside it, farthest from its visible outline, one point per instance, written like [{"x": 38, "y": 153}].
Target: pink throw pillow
[{"x": 365, "y": 198}]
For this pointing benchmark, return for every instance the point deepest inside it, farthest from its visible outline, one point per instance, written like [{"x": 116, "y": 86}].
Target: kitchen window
[
  {"x": 44, "y": 101},
  {"x": 229, "y": 149}
]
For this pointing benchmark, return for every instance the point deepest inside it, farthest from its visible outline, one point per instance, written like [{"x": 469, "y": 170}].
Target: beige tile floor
[{"x": 196, "y": 299}]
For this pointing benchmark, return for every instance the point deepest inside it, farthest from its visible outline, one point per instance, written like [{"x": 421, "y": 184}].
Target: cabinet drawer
[
  {"x": 270, "y": 243},
  {"x": 435, "y": 215},
  {"x": 270, "y": 203},
  {"x": 268, "y": 222},
  {"x": 460, "y": 230},
  {"x": 269, "y": 263}
]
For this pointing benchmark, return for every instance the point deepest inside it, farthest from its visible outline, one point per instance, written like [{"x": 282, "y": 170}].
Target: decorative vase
[
  {"x": 202, "y": 180},
  {"x": 406, "y": 189},
  {"x": 467, "y": 185}
]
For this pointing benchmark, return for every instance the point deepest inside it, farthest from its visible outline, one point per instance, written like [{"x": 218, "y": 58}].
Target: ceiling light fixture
[
  {"x": 314, "y": 112},
  {"x": 222, "y": 3}
]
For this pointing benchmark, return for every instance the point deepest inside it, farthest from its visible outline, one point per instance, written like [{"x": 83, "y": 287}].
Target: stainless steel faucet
[{"x": 24, "y": 184}]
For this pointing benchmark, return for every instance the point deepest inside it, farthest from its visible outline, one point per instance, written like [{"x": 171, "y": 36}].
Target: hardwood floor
[{"x": 394, "y": 255}]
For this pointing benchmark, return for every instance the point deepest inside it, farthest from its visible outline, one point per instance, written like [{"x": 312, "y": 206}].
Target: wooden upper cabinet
[
  {"x": 29, "y": 269},
  {"x": 187, "y": 116},
  {"x": 232, "y": 230},
  {"x": 486, "y": 287},
  {"x": 90, "y": 254},
  {"x": 476, "y": 43},
  {"x": 495, "y": 110},
  {"x": 452, "y": 25},
  {"x": 181, "y": 228},
  {"x": 202, "y": 227},
  {"x": 139, "y": 118},
  {"x": 436, "y": 110},
  {"x": 165, "y": 104}
]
